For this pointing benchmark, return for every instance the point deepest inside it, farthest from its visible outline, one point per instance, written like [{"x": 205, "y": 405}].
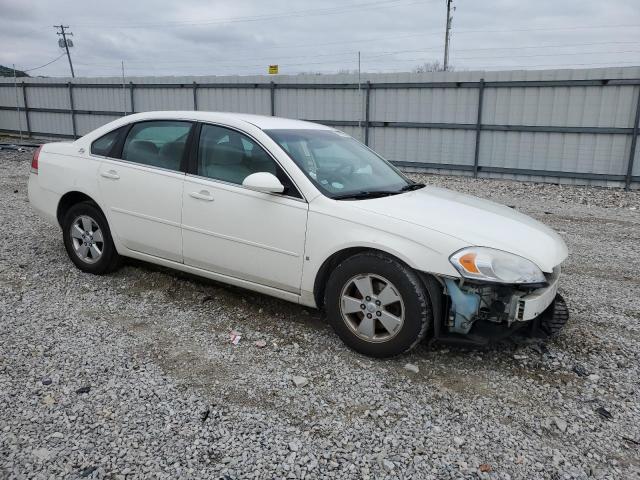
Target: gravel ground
[{"x": 133, "y": 375}]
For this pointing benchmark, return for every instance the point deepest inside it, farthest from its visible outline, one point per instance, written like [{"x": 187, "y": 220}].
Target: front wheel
[{"x": 377, "y": 305}]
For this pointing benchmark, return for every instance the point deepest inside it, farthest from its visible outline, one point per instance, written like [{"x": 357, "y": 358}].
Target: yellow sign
[{"x": 273, "y": 69}]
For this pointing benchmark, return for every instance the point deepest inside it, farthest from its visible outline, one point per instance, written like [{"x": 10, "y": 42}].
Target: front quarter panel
[{"x": 336, "y": 225}]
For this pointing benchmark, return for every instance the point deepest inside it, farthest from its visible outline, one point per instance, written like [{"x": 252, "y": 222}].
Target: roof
[{"x": 261, "y": 121}]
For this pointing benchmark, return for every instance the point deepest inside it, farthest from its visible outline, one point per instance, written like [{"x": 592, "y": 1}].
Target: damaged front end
[{"x": 482, "y": 307}]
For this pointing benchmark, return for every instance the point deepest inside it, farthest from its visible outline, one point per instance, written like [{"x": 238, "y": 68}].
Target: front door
[
  {"x": 235, "y": 231},
  {"x": 142, "y": 189}
]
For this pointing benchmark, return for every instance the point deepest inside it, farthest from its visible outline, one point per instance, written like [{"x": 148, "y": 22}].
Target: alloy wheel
[
  {"x": 87, "y": 239},
  {"x": 372, "y": 308}
]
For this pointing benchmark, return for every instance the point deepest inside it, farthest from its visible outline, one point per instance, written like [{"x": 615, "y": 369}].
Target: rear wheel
[
  {"x": 377, "y": 305},
  {"x": 87, "y": 239}
]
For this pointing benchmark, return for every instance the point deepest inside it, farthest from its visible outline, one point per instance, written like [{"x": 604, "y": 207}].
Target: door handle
[
  {"x": 110, "y": 174},
  {"x": 202, "y": 195}
]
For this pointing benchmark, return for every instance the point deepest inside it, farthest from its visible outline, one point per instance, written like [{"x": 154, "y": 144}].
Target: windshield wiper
[
  {"x": 378, "y": 193},
  {"x": 412, "y": 186},
  {"x": 366, "y": 194}
]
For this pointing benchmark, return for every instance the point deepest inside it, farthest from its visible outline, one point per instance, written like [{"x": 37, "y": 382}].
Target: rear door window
[{"x": 159, "y": 143}]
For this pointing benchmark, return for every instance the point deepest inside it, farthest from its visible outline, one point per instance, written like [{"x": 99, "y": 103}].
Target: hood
[{"x": 475, "y": 221}]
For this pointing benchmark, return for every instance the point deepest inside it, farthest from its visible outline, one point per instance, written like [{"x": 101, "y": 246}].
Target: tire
[
  {"x": 82, "y": 218},
  {"x": 377, "y": 272},
  {"x": 555, "y": 317}
]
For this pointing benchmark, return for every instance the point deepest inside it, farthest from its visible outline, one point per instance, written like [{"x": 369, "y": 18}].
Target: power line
[
  {"x": 508, "y": 66},
  {"x": 395, "y": 37},
  {"x": 66, "y": 43},
  {"x": 273, "y": 16},
  {"x": 334, "y": 62},
  {"x": 242, "y": 61},
  {"x": 565, "y": 65},
  {"x": 523, "y": 47},
  {"x": 536, "y": 29},
  {"x": 609, "y": 52},
  {"x": 46, "y": 64}
]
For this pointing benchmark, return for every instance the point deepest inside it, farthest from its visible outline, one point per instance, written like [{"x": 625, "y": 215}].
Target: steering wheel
[
  {"x": 345, "y": 170},
  {"x": 337, "y": 174}
]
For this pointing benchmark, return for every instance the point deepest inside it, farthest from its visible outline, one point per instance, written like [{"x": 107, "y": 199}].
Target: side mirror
[{"x": 263, "y": 182}]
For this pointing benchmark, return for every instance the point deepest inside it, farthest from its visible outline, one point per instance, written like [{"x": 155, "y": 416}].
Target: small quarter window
[{"x": 105, "y": 143}]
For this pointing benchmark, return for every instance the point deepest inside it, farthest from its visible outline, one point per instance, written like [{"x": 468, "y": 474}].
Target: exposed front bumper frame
[
  {"x": 531, "y": 305},
  {"x": 499, "y": 307}
]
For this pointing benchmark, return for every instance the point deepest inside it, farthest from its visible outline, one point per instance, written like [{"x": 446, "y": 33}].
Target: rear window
[{"x": 105, "y": 143}]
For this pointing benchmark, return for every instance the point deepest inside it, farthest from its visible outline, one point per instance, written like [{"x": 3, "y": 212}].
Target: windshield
[{"x": 339, "y": 165}]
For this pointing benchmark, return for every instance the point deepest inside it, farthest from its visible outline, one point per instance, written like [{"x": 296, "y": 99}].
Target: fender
[{"x": 327, "y": 234}]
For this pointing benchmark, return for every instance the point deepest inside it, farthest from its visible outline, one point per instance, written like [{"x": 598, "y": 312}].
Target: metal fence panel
[
  {"x": 8, "y": 96},
  {"x": 102, "y": 99},
  {"x": 355, "y": 132},
  {"x": 560, "y": 125},
  {"x": 9, "y": 120},
  {"x": 54, "y": 123},
  {"x": 234, "y": 100},
  {"x": 433, "y": 105},
  {"x": 568, "y": 152},
  {"x": 438, "y": 146},
  {"x": 47, "y": 97},
  {"x": 87, "y": 123},
  {"x": 320, "y": 104},
  {"x": 147, "y": 99},
  {"x": 561, "y": 106}
]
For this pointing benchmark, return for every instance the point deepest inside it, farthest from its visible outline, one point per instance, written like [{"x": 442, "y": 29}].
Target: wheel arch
[
  {"x": 70, "y": 199},
  {"x": 431, "y": 283},
  {"x": 323, "y": 273}
]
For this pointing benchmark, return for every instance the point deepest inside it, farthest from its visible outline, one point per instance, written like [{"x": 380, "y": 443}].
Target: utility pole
[
  {"x": 65, "y": 43},
  {"x": 445, "y": 63}
]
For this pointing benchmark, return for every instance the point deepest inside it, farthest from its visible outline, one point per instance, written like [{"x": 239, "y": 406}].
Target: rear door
[{"x": 142, "y": 188}]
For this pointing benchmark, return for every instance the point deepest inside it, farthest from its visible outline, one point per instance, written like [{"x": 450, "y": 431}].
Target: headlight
[{"x": 482, "y": 263}]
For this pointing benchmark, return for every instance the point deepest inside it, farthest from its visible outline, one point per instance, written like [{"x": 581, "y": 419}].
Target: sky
[{"x": 243, "y": 37}]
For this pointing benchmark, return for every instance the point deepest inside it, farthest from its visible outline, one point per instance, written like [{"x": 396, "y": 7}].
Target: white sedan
[{"x": 305, "y": 213}]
